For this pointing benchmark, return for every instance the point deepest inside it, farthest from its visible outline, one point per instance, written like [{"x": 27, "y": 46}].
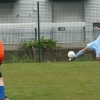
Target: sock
[
  {"x": 79, "y": 53},
  {"x": 2, "y": 93},
  {"x": 2, "y": 90}
]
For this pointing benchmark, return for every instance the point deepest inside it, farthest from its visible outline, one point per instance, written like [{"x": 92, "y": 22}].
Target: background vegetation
[
  {"x": 49, "y": 52},
  {"x": 44, "y": 44}
]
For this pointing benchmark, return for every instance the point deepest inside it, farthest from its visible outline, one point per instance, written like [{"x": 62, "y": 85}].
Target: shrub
[{"x": 44, "y": 44}]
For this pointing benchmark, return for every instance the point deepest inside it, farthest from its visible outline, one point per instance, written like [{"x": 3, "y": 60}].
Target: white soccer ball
[{"x": 71, "y": 54}]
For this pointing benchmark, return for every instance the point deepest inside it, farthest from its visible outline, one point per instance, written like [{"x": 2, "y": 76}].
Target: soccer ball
[{"x": 71, "y": 54}]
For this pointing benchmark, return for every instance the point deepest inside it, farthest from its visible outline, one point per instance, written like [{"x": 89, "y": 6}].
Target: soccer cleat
[
  {"x": 7, "y": 98},
  {"x": 71, "y": 59}
]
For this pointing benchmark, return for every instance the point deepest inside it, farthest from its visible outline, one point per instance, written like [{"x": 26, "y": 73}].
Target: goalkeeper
[
  {"x": 95, "y": 45},
  {"x": 2, "y": 88}
]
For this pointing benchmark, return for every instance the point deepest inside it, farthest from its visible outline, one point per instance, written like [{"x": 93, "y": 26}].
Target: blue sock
[
  {"x": 2, "y": 92},
  {"x": 79, "y": 53}
]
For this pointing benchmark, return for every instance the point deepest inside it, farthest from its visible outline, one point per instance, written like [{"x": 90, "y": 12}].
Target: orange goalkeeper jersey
[{"x": 1, "y": 52}]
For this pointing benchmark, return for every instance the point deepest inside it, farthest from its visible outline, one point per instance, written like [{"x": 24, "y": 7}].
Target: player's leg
[
  {"x": 81, "y": 52},
  {"x": 97, "y": 56},
  {"x": 2, "y": 89}
]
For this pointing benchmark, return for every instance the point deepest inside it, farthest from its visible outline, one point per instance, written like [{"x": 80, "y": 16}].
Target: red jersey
[{"x": 1, "y": 52}]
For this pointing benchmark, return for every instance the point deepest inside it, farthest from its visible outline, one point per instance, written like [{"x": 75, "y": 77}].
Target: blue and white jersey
[{"x": 95, "y": 45}]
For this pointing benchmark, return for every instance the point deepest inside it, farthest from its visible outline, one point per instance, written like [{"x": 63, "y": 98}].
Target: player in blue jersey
[{"x": 95, "y": 45}]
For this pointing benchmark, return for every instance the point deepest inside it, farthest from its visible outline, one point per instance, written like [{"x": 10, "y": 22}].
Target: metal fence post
[{"x": 38, "y": 33}]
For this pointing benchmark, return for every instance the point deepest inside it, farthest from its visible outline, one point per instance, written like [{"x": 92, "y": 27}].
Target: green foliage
[
  {"x": 44, "y": 44},
  {"x": 85, "y": 59},
  {"x": 29, "y": 44},
  {"x": 17, "y": 58},
  {"x": 47, "y": 43},
  {"x": 14, "y": 58}
]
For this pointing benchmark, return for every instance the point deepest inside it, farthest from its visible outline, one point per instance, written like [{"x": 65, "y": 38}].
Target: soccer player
[
  {"x": 2, "y": 88},
  {"x": 95, "y": 45}
]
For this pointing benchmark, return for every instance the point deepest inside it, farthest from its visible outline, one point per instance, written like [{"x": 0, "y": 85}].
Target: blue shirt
[{"x": 95, "y": 45}]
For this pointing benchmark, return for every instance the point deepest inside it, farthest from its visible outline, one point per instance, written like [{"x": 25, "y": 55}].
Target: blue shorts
[
  {"x": 95, "y": 45},
  {"x": 2, "y": 92}
]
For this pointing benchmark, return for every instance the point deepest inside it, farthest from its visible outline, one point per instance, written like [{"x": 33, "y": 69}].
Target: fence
[{"x": 64, "y": 22}]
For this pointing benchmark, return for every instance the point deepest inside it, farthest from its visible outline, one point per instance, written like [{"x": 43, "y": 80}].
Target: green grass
[{"x": 52, "y": 81}]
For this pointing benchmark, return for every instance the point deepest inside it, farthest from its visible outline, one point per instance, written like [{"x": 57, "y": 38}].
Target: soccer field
[{"x": 52, "y": 81}]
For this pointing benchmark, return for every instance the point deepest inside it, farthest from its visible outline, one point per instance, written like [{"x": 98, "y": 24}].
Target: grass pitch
[{"x": 52, "y": 81}]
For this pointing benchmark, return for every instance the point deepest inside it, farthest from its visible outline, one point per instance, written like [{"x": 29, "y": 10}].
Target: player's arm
[{"x": 97, "y": 28}]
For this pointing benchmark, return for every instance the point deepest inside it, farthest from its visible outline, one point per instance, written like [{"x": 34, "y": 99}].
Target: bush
[{"x": 44, "y": 44}]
